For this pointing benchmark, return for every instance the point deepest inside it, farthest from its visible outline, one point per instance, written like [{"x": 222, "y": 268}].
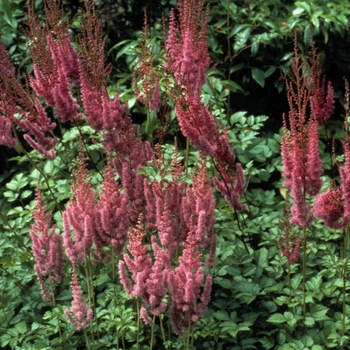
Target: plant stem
[
  {"x": 138, "y": 323},
  {"x": 162, "y": 328},
  {"x": 87, "y": 274},
  {"x": 186, "y": 156},
  {"x": 58, "y": 319},
  {"x": 304, "y": 273},
  {"x": 152, "y": 334}
]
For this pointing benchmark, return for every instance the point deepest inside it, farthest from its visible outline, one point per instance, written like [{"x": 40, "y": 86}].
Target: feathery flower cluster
[
  {"x": 17, "y": 108},
  {"x": 79, "y": 215},
  {"x": 322, "y": 107},
  {"x": 80, "y": 315},
  {"x": 231, "y": 187},
  {"x": 149, "y": 79},
  {"x": 299, "y": 147},
  {"x": 187, "y": 59},
  {"x": 139, "y": 266},
  {"x": 89, "y": 220},
  {"x": 176, "y": 213},
  {"x": 47, "y": 247},
  {"x": 330, "y": 208},
  {"x": 111, "y": 215},
  {"x": 290, "y": 245},
  {"x": 187, "y": 302}
]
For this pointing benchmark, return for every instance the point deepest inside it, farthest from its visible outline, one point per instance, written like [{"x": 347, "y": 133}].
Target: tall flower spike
[
  {"x": 149, "y": 80},
  {"x": 187, "y": 302},
  {"x": 290, "y": 244},
  {"x": 139, "y": 265},
  {"x": 300, "y": 151},
  {"x": 111, "y": 215},
  {"x": 80, "y": 315},
  {"x": 79, "y": 217},
  {"x": 47, "y": 246}
]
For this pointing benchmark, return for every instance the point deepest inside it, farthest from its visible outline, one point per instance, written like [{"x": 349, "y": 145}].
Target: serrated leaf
[
  {"x": 267, "y": 342},
  {"x": 318, "y": 312},
  {"x": 309, "y": 321},
  {"x": 35, "y": 325},
  {"x": 222, "y": 315},
  {"x": 21, "y": 327},
  {"x": 277, "y": 318},
  {"x": 225, "y": 283},
  {"x": 236, "y": 117},
  {"x": 26, "y": 193}
]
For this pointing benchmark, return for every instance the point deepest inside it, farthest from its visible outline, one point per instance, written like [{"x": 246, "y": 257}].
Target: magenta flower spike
[
  {"x": 329, "y": 206},
  {"x": 111, "y": 215},
  {"x": 187, "y": 302},
  {"x": 47, "y": 247},
  {"x": 139, "y": 264},
  {"x": 79, "y": 217},
  {"x": 300, "y": 150},
  {"x": 80, "y": 315}
]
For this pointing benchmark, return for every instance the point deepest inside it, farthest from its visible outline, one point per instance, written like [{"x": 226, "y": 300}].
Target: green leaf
[
  {"x": 262, "y": 256},
  {"x": 318, "y": 312},
  {"x": 309, "y": 321},
  {"x": 49, "y": 166},
  {"x": 237, "y": 117},
  {"x": 303, "y": 5},
  {"x": 225, "y": 283},
  {"x": 259, "y": 76},
  {"x": 21, "y": 327},
  {"x": 5, "y": 7},
  {"x": 26, "y": 193},
  {"x": 277, "y": 318},
  {"x": 222, "y": 315},
  {"x": 267, "y": 342}
]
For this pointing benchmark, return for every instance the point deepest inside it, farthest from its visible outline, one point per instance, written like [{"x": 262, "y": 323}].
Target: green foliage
[{"x": 256, "y": 300}]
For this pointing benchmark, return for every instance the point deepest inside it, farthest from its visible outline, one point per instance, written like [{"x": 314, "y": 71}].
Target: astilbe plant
[
  {"x": 187, "y": 60},
  {"x": 168, "y": 226},
  {"x": 80, "y": 315},
  {"x": 47, "y": 247},
  {"x": 183, "y": 221},
  {"x": 302, "y": 164},
  {"x": 79, "y": 216}
]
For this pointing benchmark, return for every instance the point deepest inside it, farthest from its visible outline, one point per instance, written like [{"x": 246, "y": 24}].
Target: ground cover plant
[{"x": 175, "y": 232}]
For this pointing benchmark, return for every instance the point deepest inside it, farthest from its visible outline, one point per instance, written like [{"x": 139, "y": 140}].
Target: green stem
[
  {"x": 188, "y": 332},
  {"x": 186, "y": 156},
  {"x": 58, "y": 319},
  {"x": 152, "y": 333},
  {"x": 138, "y": 323},
  {"x": 149, "y": 127},
  {"x": 88, "y": 284},
  {"x": 304, "y": 273},
  {"x": 162, "y": 328}
]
